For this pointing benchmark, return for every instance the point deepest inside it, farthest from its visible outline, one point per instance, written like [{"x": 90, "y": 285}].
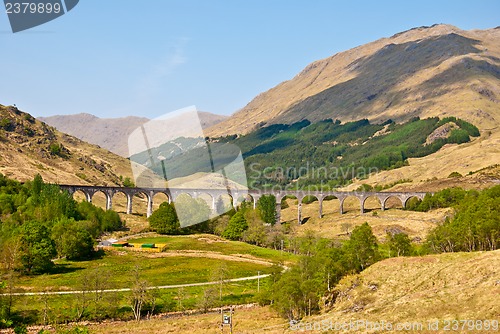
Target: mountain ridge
[
  {"x": 110, "y": 133},
  {"x": 354, "y": 95}
]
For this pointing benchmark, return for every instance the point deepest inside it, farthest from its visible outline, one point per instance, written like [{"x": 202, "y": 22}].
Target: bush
[
  {"x": 454, "y": 175},
  {"x": 111, "y": 221},
  {"x": 442, "y": 199},
  {"x": 127, "y": 182},
  {"x": 6, "y": 124},
  {"x": 59, "y": 150},
  {"x": 96, "y": 219},
  {"x": 400, "y": 244},
  {"x": 458, "y": 136},
  {"x": 309, "y": 199},
  {"x": 365, "y": 187},
  {"x": 55, "y": 149}
]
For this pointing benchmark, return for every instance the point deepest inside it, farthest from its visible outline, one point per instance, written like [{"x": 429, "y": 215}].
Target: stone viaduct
[{"x": 238, "y": 196}]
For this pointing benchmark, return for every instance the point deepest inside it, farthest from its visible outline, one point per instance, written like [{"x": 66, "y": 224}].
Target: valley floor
[
  {"x": 410, "y": 291},
  {"x": 405, "y": 290}
]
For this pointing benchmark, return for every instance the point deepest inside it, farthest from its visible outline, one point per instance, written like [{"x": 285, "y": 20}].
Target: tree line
[
  {"x": 38, "y": 223},
  {"x": 334, "y": 145},
  {"x": 245, "y": 224}
]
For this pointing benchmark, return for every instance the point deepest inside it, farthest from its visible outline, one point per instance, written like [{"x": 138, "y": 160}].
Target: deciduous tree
[{"x": 164, "y": 220}]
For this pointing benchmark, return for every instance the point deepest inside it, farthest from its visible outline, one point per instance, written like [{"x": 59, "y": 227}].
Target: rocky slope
[{"x": 29, "y": 147}]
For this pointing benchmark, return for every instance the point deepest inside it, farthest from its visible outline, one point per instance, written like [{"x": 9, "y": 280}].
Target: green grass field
[
  {"x": 115, "y": 269},
  {"x": 210, "y": 243},
  {"x": 59, "y": 309},
  {"x": 118, "y": 269}
]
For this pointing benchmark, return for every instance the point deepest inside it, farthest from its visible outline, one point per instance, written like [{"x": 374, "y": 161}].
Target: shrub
[
  {"x": 454, "y": 175},
  {"x": 442, "y": 199},
  {"x": 309, "y": 199},
  {"x": 458, "y": 136},
  {"x": 55, "y": 149},
  {"x": 400, "y": 244},
  {"x": 73, "y": 240},
  {"x": 127, "y": 182},
  {"x": 28, "y": 131},
  {"x": 111, "y": 221},
  {"x": 6, "y": 124}
]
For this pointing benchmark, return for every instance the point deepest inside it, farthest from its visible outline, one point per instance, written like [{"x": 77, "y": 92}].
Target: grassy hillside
[
  {"x": 29, "y": 147},
  {"x": 187, "y": 260},
  {"x": 427, "y": 71},
  {"x": 446, "y": 286},
  {"x": 327, "y": 153}
]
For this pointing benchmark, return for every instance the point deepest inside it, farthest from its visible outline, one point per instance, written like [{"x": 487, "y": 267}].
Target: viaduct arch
[{"x": 254, "y": 195}]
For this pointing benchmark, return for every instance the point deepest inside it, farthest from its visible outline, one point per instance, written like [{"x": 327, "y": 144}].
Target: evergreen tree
[{"x": 267, "y": 209}]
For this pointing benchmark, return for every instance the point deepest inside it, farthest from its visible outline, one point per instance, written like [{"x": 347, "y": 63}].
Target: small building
[{"x": 107, "y": 243}]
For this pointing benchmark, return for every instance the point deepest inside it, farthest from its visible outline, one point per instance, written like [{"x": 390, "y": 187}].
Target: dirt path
[
  {"x": 176, "y": 286},
  {"x": 212, "y": 255}
]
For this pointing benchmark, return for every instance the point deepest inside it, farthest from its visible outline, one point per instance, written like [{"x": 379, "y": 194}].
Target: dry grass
[
  {"x": 435, "y": 287},
  {"x": 246, "y": 320},
  {"x": 332, "y": 225},
  {"x": 442, "y": 88},
  {"x": 23, "y": 156}
]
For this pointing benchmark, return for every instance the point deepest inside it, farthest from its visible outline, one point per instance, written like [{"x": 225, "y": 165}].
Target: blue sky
[{"x": 114, "y": 58}]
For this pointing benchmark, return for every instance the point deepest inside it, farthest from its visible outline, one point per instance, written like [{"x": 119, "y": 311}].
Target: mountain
[
  {"x": 110, "y": 133},
  {"x": 326, "y": 153},
  {"x": 427, "y": 71},
  {"x": 423, "y": 72},
  {"x": 29, "y": 147}
]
